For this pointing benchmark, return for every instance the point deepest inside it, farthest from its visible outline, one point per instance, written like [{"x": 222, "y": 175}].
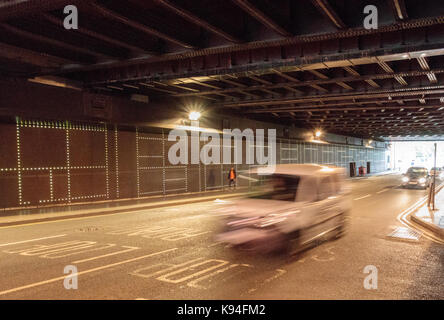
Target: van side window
[
  {"x": 325, "y": 188},
  {"x": 285, "y": 188},
  {"x": 307, "y": 190}
]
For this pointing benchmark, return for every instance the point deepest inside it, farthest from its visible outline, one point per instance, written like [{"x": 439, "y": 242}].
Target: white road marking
[
  {"x": 160, "y": 271},
  {"x": 194, "y": 283},
  {"x": 363, "y": 197},
  {"x": 214, "y": 244},
  {"x": 331, "y": 258},
  {"x": 200, "y": 216},
  {"x": 25, "y": 241},
  {"x": 37, "y": 249},
  {"x": 60, "y": 247},
  {"x": 160, "y": 232},
  {"x": 107, "y": 255},
  {"x": 87, "y": 249},
  {"x": 383, "y": 190},
  {"x": 279, "y": 273},
  {"x": 36, "y": 284},
  {"x": 220, "y": 201},
  {"x": 195, "y": 274},
  {"x": 189, "y": 273}
]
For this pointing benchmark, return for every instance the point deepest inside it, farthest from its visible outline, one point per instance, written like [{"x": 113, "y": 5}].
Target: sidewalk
[
  {"x": 432, "y": 220},
  {"x": 44, "y": 214}
]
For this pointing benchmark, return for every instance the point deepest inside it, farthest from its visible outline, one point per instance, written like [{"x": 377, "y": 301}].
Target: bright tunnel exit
[{"x": 406, "y": 154}]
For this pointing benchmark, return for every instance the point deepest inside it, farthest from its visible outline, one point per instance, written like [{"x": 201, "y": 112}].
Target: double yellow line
[{"x": 402, "y": 217}]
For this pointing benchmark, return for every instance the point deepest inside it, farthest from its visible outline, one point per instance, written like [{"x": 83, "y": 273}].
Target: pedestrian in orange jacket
[{"x": 232, "y": 177}]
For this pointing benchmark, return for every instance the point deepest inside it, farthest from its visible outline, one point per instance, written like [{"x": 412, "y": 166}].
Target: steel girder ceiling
[{"x": 307, "y": 62}]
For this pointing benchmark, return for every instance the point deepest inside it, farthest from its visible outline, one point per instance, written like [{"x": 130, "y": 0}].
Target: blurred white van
[{"x": 295, "y": 206}]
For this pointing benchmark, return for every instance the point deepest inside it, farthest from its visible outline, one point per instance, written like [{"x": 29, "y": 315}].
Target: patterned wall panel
[
  {"x": 53, "y": 162},
  {"x": 8, "y": 166}
]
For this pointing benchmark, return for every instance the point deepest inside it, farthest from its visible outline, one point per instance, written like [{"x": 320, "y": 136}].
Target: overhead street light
[
  {"x": 315, "y": 137},
  {"x": 194, "y": 115}
]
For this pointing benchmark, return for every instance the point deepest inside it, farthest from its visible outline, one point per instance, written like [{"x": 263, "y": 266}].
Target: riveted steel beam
[
  {"x": 197, "y": 20},
  {"x": 139, "y": 26},
  {"x": 262, "y": 17},
  {"x": 326, "y": 9},
  {"x": 399, "y": 9}
]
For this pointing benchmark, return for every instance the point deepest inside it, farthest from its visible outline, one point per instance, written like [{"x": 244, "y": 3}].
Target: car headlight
[
  {"x": 422, "y": 180},
  {"x": 405, "y": 179}
]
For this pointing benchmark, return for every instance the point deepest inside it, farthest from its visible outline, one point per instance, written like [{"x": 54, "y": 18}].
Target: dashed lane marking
[
  {"x": 383, "y": 190},
  {"x": 363, "y": 197}
]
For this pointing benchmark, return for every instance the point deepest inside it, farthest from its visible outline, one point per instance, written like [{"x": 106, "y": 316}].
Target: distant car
[
  {"x": 416, "y": 177},
  {"x": 439, "y": 172},
  {"x": 297, "y": 205}
]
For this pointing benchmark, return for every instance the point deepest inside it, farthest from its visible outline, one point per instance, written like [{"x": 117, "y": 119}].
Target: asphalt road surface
[{"x": 169, "y": 253}]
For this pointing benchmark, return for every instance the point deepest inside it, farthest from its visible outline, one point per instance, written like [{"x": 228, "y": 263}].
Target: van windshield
[{"x": 278, "y": 187}]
